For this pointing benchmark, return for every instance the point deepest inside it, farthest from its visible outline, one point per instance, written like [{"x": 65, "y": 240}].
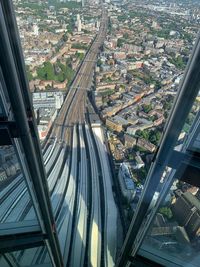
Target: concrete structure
[
  {"x": 46, "y": 118},
  {"x": 134, "y": 128},
  {"x": 114, "y": 125},
  {"x": 129, "y": 140},
  {"x": 48, "y": 100},
  {"x": 6, "y": 153},
  {"x": 35, "y": 29},
  {"x": 3, "y": 175},
  {"x": 126, "y": 182},
  {"x": 78, "y": 23},
  {"x": 139, "y": 162},
  {"x": 146, "y": 145}
]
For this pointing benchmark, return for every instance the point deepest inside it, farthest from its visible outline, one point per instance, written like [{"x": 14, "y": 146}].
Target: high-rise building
[
  {"x": 83, "y": 3},
  {"x": 78, "y": 23},
  {"x": 35, "y": 29}
]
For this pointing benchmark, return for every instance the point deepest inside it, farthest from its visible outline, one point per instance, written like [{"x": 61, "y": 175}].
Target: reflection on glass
[
  {"x": 3, "y": 261},
  {"x": 15, "y": 202},
  {"x": 174, "y": 233},
  {"x": 29, "y": 257},
  {"x": 175, "y": 230}
]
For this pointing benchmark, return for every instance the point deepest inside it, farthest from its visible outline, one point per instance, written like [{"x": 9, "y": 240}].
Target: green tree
[
  {"x": 64, "y": 37},
  {"x": 107, "y": 92},
  {"x": 49, "y": 71},
  {"x": 141, "y": 174},
  {"x": 178, "y": 62},
  {"x": 29, "y": 74},
  {"x": 154, "y": 136},
  {"x": 166, "y": 212},
  {"x": 157, "y": 85},
  {"x": 60, "y": 77},
  {"x": 46, "y": 72},
  {"x": 167, "y": 103},
  {"x": 69, "y": 71},
  {"x": 99, "y": 62},
  {"x": 143, "y": 134},
  {"x": 125, "y": 35},
  {"x": 79, "y": 46},
  {"x": 190, "y": 119},
  {"x": 120, "y": 42},
  {"x": 70, "y": 4},
  {"x": 79, "y": 55},
  {"x": 147, "y": 108},
  {"x": 188, "y": 37},
  {"x": 122, "y": 18}
]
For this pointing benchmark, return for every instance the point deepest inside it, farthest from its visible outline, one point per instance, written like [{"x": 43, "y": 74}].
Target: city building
[
  {"x": 146, "y": 145},
  {"x": 61, "y": 197},
  {"x": 129, "y": 140},
  {"x": 78, "y": 23},
  {"x": 35, "y": 29},
  {"x": 127, "y": 185},
  {"x": 50, "y": 99},
  {"x": 186, "y": 210}
]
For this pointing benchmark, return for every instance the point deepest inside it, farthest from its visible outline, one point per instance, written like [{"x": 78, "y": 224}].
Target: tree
[
  {"x": 107, "y": 92},
  {"x": 46, "y": 72},
  {"x": 79, "y": 55},
  {"x": 166, "y": 212},
  {"x": 60, "y": 77},
  {"x": 64, "y": 37},
  {"x": 79, "y": 46},
  {"x": 41, "y": 73},
  {"x": 190, "y": 119},
  {"x": 122, "y": 18},
  {"x": 178, "y": 62},
  {"x": 154, "y": 137},
  {"x": 187, "y": 36},
  {"x": 120, "y": 42},
  {"x": 99, "y": 62},
  {"x": 125, "y": 35},
  {"x": 49, "y": 71},
  {"x": 29, "y": 74},
  {"x": 69, "y": 4},
  {"x": 130, "y": 156},
  {"x": 109, "y": 26},
  {"x": 69, "y": 71},
  {"x": 157, "y": 85},
  {"x": 142, "y": 174},
  {"x": 143, "y": 134},
  {"x": 147, "y": 108},
  {"x": 167, "y": 103}
]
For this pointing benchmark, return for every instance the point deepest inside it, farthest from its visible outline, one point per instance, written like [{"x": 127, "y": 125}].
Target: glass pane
[
  {"x": 3, "y": 261},
  {"x": 138, "y": 74},
  {"x": 37, "y": 256},
  {"x": 16, "y": 204},
  {"x": 174, "y": 232}
]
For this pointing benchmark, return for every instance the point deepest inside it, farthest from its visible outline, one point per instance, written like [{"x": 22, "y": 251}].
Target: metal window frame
[
  {"x": 13, "y": 70},
  {"x": 13, "y": 33}
]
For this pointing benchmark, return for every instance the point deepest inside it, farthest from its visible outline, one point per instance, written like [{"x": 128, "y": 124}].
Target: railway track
[{"x": 67, "y": 147}]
